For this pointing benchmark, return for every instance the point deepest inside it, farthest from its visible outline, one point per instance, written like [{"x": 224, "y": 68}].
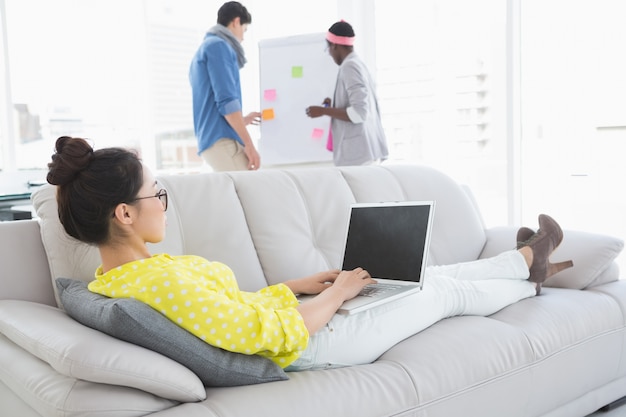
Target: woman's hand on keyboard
[
  {"x": 313, "y": 284},
  {"x": 317, "y": 311},
  {"x": 352, "y": 282}
]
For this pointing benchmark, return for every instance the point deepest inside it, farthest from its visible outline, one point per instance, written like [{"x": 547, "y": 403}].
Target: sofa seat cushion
[
  {"x": 77, "y": 351},
  {"x": 463, "y": 356},
  {"x": 530, "y": 343},
  {"x": 138, "y": 323},
  {"x": 378, "y": 389},
  {"x": 577, "y": 338},
  {"x": 560, "y": 318}
]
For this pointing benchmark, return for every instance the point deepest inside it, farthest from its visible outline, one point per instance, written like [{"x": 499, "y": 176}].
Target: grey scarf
[{"x": 222, "y": 32}]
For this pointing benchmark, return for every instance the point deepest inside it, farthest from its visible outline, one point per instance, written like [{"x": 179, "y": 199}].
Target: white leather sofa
[{"x": 562, "y": 353}]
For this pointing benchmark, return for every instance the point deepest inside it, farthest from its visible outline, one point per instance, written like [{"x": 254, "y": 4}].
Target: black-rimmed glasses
[{"x": 161, "y": 195}]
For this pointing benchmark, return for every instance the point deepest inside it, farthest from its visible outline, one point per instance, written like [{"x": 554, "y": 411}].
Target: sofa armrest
[
  {"x": 593, "y": 255},
  {"x": 22, "y": 280}
]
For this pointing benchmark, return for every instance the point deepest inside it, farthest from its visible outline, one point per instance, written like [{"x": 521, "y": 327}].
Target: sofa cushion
[
  {"x": 592, "y": 253},
  {"x": 50, "y": 393},
  {"x": 71, "y": 258},
  {"x": 67, "y": 257},
  {"x": 138, "y": 323},
  {"x": 77, "y": 351}
]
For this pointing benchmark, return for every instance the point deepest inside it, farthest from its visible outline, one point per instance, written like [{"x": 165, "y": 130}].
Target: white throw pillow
[
  {"x": 84, "y": 353},
  {"x": 593, "y": 254}
]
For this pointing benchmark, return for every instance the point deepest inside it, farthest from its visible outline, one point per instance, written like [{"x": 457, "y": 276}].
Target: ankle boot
[
  {"x": 523, "y": 235},
  {"x": 543, "y": 243}
]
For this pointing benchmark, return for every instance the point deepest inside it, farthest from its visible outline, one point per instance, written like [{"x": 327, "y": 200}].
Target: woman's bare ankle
[{"x": 527, "y": 253}]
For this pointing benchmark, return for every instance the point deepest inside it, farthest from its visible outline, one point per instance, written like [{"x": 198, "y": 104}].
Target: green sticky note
[{"x": 296, "y": 72}]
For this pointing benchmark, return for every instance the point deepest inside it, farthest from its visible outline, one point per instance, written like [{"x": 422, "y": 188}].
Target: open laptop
[{"x": 389, "y": 240}]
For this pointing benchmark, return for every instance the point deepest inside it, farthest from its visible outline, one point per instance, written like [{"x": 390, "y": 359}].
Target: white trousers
[{"x": 477, "y": 288}]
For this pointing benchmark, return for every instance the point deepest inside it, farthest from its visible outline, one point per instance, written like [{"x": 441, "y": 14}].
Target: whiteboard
[{"x": 295, "y": 72}]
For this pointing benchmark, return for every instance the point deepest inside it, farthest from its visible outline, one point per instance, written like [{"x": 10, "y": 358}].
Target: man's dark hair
[
  {"x": 230, "y": 10},
  {"x": 342, "y": 28}
]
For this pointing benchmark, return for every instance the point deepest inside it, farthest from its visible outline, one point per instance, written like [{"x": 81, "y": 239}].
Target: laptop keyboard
[{"x": 375, "y": 290}]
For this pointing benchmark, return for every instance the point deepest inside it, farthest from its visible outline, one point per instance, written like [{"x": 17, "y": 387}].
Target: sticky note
[
  {"x": 317, "y": 133},
  {"x": 269, "y": 95},
  {"x": 296, "y": 72},
  {"x": 267, "y": 114}
]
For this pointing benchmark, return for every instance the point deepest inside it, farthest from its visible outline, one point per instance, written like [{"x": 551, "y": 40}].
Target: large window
[
  {"x": 451, "y": 73},
  {"x": 441, "y": 71},
  {"x": 115, "y": 71},
  {"x": 77, "y": 68},
  {"x": 573, "y": 106}
]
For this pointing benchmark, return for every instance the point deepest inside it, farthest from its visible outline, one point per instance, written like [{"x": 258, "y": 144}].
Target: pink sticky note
[
  {"x": 317, "y": 133},
  {"x": 269, "y": 95}
]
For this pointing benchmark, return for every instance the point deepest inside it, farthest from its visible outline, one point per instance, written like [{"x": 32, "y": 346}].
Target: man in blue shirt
[{"x": 220, "y": 127}]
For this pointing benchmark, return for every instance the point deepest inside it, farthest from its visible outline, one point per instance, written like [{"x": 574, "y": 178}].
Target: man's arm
[
  {"x": 224, "y": 73},
  {"x": 237, "y": 122}
]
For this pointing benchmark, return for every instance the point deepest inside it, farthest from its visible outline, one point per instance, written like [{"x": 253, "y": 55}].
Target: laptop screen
[{"x": 389, "y": 240}]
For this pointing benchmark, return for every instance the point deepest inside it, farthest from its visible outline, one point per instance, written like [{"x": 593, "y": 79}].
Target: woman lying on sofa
[{"x": 108, "y": 198}]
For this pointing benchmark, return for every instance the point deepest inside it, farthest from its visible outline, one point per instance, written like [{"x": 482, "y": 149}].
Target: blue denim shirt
[{"x": 216, "y": 91}]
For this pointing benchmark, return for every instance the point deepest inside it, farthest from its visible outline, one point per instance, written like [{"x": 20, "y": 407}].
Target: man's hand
[
  {"x": 238, "y": 123},
  {"x": 315, "y": 111},
  {"x": 254, "y": 159},
  {"x": 253, "y": 118}
]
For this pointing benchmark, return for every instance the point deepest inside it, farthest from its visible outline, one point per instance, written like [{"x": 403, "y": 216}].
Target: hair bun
[{"x": 71, "y": 156}]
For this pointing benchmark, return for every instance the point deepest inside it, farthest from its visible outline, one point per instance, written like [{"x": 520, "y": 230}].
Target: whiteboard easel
[{"x": 295, "y": 72}]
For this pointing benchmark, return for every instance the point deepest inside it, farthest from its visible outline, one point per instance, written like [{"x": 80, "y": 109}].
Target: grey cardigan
[{"x": 362, "y": 140}]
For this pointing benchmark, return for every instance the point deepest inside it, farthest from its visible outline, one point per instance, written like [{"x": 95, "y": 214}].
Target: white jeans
[{"x": 474, "y": 288}]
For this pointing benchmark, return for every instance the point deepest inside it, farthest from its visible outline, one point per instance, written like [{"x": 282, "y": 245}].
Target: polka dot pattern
[{"x": 203, "y": 297}]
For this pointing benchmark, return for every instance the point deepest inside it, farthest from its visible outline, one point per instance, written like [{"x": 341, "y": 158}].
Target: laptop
[{"x": 390, "y": 240}]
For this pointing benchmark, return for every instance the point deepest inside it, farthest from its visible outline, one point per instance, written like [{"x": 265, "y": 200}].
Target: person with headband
[
  {"x": 357, "y": 133},
  {"x": 219, "y": 124},
  {"x": 110, "y": 199}
]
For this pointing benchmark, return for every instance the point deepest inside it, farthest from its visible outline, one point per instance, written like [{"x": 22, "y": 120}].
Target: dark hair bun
[
  {"x": 342, "y": 28},
  {"x": 72, "y": 155}
]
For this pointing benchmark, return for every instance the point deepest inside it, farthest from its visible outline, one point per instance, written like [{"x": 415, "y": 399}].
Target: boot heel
[
  {"x": 543, "y": 243},
  {"x": 558, "y": 267}
]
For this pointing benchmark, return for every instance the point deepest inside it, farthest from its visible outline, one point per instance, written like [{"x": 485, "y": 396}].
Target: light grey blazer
[{"x": 362, "y": 140}]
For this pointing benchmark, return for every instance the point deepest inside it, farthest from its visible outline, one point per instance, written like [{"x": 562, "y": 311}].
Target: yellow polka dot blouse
[{"x": 203, "y": 297}]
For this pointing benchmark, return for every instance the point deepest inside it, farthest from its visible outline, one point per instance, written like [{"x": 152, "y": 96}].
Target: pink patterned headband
[{"x": 339, "y": 40}]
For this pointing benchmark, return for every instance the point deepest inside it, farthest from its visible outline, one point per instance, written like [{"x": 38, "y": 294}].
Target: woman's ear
[{"x": 122, "y": 213}]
